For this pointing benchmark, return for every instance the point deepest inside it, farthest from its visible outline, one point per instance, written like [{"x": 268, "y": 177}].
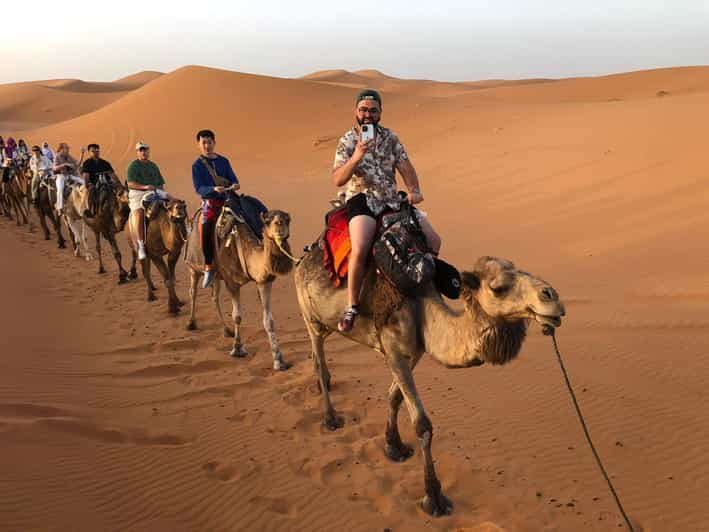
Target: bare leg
[
  {"x": 195, "y": 276},
  {"x": 362, "y": 229},
  {"x": 279, "y": 362},
  {"x": 432, "y": 238}
]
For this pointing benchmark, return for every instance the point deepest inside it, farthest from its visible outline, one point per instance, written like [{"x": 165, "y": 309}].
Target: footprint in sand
[
  {"x": 226, "y": 472},
  {"x": 218, "y": 471}
]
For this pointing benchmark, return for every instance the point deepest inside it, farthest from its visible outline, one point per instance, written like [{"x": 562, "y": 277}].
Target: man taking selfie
[{"x": 366, "y": 161}]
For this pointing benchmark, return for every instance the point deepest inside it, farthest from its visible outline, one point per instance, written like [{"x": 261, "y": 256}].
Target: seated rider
[
  {"x": 66, "y": 168},
  {"x": 40, "y": 166},
  {"x": 143, "y": 177},
  {"x": 94, "y": 167},
  {"x": 212, "y": 177},
  {"x": 368, "y": 171}
]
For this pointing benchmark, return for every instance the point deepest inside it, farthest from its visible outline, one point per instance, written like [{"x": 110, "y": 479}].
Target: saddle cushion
[{"x": 336, "y": 245}]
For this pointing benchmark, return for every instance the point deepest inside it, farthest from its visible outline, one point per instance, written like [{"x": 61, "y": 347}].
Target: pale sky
[{"x": 444, "y": 40}]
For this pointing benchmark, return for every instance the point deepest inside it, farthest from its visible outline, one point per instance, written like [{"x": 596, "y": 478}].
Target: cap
[
  {"x": 369, "y": 94},
  {"x": 140, "y": 144}
]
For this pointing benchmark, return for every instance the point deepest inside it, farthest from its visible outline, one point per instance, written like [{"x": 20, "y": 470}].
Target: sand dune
[
  {"x": 40, "y": 103},
  {"x": 118, "y": 415}
]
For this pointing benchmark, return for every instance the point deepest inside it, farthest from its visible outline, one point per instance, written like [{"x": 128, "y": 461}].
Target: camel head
[
  {"x": 123, "y": 209},
  {"x": 276, "y": 225},
  {"x": 505, "y": 293},
  {"x": 177, "y": 210}
]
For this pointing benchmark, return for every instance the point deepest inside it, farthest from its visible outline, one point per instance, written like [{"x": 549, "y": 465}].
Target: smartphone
[{"x": 366, "y": 132}]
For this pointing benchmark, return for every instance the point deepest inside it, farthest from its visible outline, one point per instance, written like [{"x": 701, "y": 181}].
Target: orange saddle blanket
[{"x": 336, "y": 245}]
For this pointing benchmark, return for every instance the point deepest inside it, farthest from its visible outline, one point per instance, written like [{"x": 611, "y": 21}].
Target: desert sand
[{"x": 114, "y": 417}]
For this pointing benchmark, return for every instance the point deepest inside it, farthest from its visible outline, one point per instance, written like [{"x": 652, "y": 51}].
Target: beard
[{"x": 373, "y": 121}]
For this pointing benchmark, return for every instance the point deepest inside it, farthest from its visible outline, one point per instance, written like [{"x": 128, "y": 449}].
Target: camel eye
[{"x": 499, "y": 290}]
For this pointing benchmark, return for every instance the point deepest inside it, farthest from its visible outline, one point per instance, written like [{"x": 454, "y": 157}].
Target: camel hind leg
[
  {"x": 317, "y": 335},
  {"x": 238, "y": 349},
  {"x": 279, "y": 363},
  {"x": 101, "y": 269}
]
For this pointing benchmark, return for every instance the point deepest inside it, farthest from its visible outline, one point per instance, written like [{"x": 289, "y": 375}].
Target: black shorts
[{"x": 357, "y": 206}]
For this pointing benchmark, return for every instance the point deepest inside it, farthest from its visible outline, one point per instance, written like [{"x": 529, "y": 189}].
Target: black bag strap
[{"x": 218, "y": 180}]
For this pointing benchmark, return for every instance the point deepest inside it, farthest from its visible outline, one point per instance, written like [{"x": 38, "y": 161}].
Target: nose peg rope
[{"x": 549, "y": 331}]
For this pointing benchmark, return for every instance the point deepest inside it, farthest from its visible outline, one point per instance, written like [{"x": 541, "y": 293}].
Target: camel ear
[
  {"x": 263, "y": 217},
  {"x": 470, "y": 283}
]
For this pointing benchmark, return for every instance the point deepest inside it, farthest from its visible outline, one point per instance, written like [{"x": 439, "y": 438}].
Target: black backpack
[{"x": 401, "y": 253}]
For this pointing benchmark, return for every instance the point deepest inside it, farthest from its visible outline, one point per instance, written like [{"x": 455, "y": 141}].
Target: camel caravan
[{"x": 374, "y": 274}]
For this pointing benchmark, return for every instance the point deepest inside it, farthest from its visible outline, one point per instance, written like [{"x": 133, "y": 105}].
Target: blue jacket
[{"x": 202, "y": 180}]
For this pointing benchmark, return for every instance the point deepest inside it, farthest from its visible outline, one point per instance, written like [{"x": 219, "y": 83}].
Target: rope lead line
[{"x": 549, "y": 331}]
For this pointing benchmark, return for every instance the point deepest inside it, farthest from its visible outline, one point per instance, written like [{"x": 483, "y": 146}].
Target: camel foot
[
  {"x": 123, "y": 278},
  {"x": 151, "y": 297},
  {"x": 47, "y": 237},
  {"x": 89, "y": 257},
  {"x": 133, "y": 275},
  {"x": 181, "y": 303},
  {"x": 280, "y": 364},
  {"x": 239, "y": 352},
  {"x": 101, "y": 270},
  {"x": 173, "y": 309},
  {"x": 333, "y": 421},
  {"x": 228, "y": 333},
  {"x": 191, "y": 325},
  {"x": 62, "y": 244},
  {"x": 398, "y": 452},
  {"x": 437, "y": 506}
]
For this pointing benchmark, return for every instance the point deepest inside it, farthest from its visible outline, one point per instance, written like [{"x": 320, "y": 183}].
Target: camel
[
  {"x": 72, "y": 214},
  {"x": 241, "y": 258},
  {"x": 499, "y": 301},
  {"x": 166, "y": 234},
  {"x": 47, "y": 199},
  {"x": 111, "y": 217},
  {"x": 12, "y": 196}
]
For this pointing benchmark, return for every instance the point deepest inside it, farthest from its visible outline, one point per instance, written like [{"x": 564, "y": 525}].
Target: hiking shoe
[
  {"x": 141, "y": 251},
  {"x": 347, "y": 320},
  {"x": 208, "y": 278}
]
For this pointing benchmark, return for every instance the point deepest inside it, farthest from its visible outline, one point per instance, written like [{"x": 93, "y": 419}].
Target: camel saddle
[
  {"x": 240, "y": 212},
  {"x": 400, "y": 252}
]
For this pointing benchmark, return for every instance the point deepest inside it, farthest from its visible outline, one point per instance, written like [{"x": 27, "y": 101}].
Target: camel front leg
[
  {"x": 238, "y": 349},
  {"x": 195, "y": 276},
  {"x": 85, "y": 240},
  {"x": 434, "y": 502},
  {"x": 279, "y": 363},
  {"x": 394, "y": 448},
  {"x": 172, "y": 306}
]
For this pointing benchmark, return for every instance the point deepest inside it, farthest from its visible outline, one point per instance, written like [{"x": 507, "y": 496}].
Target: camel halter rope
[
  {"x": 279, "y": 244},
  {"x": 549, "y": 331}
]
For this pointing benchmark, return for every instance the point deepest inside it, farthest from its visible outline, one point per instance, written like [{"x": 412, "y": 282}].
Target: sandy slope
[{"x": 597, "y": 184}]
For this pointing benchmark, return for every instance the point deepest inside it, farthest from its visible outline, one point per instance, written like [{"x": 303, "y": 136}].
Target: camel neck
[{"x": 460, "y": 339}]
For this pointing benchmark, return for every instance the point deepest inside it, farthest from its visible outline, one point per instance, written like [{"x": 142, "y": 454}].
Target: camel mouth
[{"x": 547, "y": 319}]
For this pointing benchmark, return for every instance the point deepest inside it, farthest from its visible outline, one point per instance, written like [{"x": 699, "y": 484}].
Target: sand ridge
[{"x": 596, "y": 184}]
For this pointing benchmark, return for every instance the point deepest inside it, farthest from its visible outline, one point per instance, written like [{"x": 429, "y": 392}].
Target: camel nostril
[{"x": 548, "y": 294}]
